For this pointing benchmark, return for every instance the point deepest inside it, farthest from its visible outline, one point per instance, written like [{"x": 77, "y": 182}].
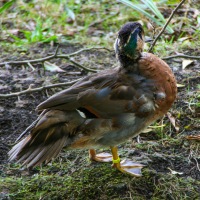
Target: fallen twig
[
  {"x": 55, "y": 55},
  {"x": 163, "y": 29},
  {"x": 31, "y": 66},
  {"x": 182, "y": 56},
  {"x": 193, "y": 137},
  {"x": 87, "y": 49},
  {"x": 31, "y": 90},
  {"x": 30, "y": 61},
  {"x": 75, "y": 63}
]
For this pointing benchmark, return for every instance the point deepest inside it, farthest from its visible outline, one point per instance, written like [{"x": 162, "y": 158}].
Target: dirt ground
[{"x": 172, "y": 162}]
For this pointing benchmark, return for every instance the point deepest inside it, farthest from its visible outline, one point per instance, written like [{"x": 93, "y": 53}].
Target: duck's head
[{"x": 130, "y": 40}]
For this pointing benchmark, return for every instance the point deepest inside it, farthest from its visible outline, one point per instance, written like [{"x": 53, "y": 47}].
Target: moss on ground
[{"x": 98, "y": 181}]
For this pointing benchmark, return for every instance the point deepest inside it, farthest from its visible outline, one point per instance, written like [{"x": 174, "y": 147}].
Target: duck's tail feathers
[{"x": 54, "y": 130}]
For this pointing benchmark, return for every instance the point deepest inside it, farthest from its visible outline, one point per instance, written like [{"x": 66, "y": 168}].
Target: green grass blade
[
  {"x": 153, "y": 8},
  {"x": 6, "y": 6},
  {"x": 150, "y": 4}
]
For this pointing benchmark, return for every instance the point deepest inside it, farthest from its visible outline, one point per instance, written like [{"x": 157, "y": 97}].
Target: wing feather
[{"x": 107, "y": 94}]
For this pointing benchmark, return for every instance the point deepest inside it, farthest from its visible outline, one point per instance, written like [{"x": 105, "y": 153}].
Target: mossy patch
[{"x": 98, "y": 181}]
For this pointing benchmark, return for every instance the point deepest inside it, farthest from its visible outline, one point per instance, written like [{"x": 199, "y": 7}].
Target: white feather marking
[
  {"x": 116, "y": 44},
  {"x": 81, "y": 113}
]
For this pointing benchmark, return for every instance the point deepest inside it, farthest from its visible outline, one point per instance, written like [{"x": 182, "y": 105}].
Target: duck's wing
[{"x": 105, "y": 95}]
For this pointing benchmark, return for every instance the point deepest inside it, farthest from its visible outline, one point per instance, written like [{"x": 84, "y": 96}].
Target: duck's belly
[{"x": 99, "y": 133}]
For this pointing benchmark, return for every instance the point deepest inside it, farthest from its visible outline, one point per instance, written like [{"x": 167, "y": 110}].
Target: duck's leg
[
  {"x": 126, "y": 166},
  {"x": 101, "y": 157}
]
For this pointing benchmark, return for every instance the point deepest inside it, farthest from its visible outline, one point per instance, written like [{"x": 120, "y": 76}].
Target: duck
[{"x": 102, "y": 110}]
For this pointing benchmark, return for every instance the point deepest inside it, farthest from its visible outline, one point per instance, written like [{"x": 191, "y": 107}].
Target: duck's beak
[{"x": 147, "y": 39}]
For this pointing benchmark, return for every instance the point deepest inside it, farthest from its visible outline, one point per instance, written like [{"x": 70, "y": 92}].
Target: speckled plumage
[{"x": 103, "y": 109}]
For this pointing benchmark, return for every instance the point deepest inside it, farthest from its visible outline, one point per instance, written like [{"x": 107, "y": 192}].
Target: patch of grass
[
  {"x": 39, "y": 34},
  {"x": 99, "y": 181},
  {"x": 71, "y": 20},
  {"x": 173, "y": 187},
  {"x": 165, "y": 48}
]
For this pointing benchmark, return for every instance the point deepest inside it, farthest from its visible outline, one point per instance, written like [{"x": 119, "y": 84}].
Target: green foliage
[
  {"x": 39, "y": 34},
  {"x": 6, "y": 6},
  {"x": 150, "y": 5}
]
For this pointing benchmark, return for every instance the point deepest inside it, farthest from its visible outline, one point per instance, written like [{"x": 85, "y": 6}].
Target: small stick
[
  {"x": 182, "y": 56},
  {"x": 66, "y": 56},
  {"x": 31, "y": 90},
  {"x": 77, "y": 64},
  {"x": 163, "y": 29},
  {"x": 31, "y": 66},
  {"x": 86, "y": 49},
  {"x": 32, "y": 61}
]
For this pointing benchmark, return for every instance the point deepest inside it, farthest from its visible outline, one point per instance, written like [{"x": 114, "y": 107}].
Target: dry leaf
[
  {"x": 13, "y": 31},
  {"x": 193, "y": 137},
  {"x": 175, "y": 172},
  {"x": 173, "y": 122},
  {"x": 52, "y": 67},
  {"x": 180, "y": 85},
  {"x": 147, "y": 130},
  {"x": 196, "y": 13},
  {"x": 22, "y": 103},
  {"x": 150, "y": 26},
  {"x": 186, "y": 63},
  {"x": 158, "y": 126},
  {"x": 184, "y": 38}
]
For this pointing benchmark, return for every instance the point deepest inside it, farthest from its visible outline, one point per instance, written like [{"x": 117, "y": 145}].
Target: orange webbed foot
[
  {"x": 125, "y": 166},
  {"x": 128, "y": 166},
  {"x": 101, "y": 157}
]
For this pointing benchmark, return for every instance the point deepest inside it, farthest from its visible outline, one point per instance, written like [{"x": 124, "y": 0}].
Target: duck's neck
[{"x": 127, "y": 62}]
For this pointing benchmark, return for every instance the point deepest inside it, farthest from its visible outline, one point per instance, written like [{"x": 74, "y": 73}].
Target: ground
[{"x": 172, "y": 169}]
